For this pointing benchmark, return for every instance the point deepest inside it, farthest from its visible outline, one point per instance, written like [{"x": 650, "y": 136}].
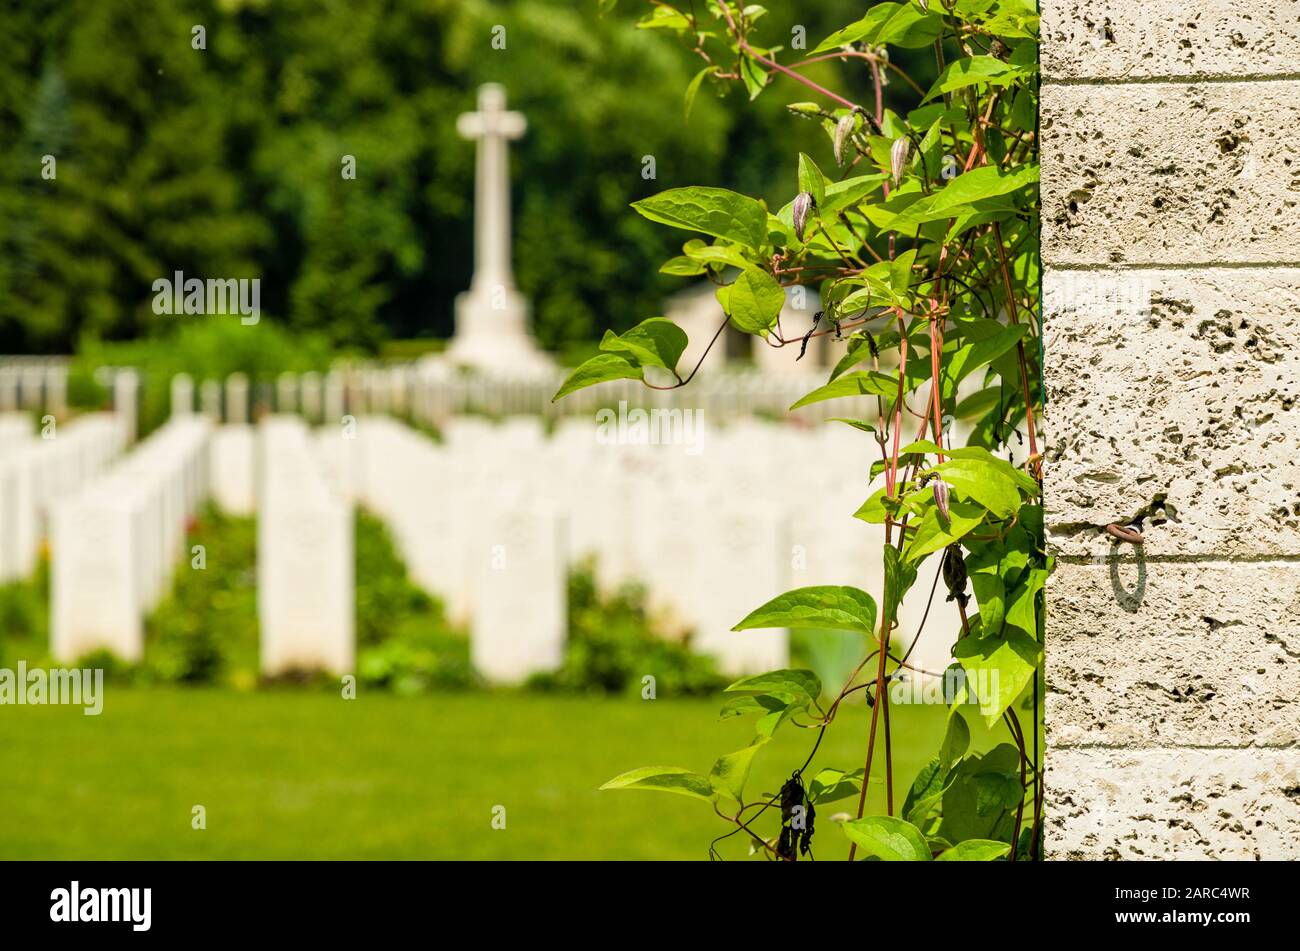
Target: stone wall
[{"x": 1171, "y": 251}]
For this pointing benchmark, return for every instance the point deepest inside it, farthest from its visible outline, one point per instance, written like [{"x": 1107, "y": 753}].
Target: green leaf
[
  {"x": 1023, "y": 480},
  {"x": 969, "y": 191},
  {"x": 754, "y": 76},
  {"x": 980, "y": 481},
  {"x": 974, "y": 850},
  {"x": 998, "y": 667},
  {"x": 933, "y": 531},
  {"x": 715, "y": 211},
  {"x": 681, "y": 266},
  {"x": 833, "y": 607},
  {"x": 984, "y": 568},
  {"x": 997, "y": 790},
  {"x": 1021, "y": 610},
  {"x": 899, "y": 578},
  {"x": 760, "y": 703},
  {"x": 968, "y": 812},
  {"x": 978, "y": 404},
  {"x": 970, "y": 357},
  {"x": 693, "y": 88},
  {"x": 801, "y": 683},
  {"x": 857, "y": 350},
  {"x": 664, "y": 18},
  {"x": 926, "y": 792},
  {"x": 861, "y": 424},
  {"x": 900, "y": 275},
  {"x": 987, "y": 181},
  {"x": 847, "y": 193},
  {"x": 873, "y": 510},
  {"x": 888, "y": 838},
  {"x": 870, "y": 383},
  {"x": 974, "y": 70},
  {"x": 724, "y": 255},
  {"x": 955, "y": 741},
  {"x": 672, "y": 779},
  {"x": 654, "y": 342},
  {"x": 599, "y": 369},
  {"x": 775, "y": 709},
  {"x": 900, "y": 24},
  {"x": 811, "y": 180},
  {"x": 831, "y": 785},
  {"x": 730, "y": 772},
  {"x": 755, "y": 302}
]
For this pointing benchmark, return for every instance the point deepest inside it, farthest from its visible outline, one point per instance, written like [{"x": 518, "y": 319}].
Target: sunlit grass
[{"x": 303, "y": 774}]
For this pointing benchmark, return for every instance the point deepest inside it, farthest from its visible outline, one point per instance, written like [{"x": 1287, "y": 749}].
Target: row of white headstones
[
  {"x": 432, "y": 395},
  {"x": 490, "y": 519}
]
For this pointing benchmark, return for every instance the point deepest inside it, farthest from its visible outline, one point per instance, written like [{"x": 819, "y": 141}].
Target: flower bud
[
  {"x": 940, "y": 489},
  {"x": 898, "y": 158},
  {"x": 842, "y": 130},
  {"x": 803, "y": 202}
]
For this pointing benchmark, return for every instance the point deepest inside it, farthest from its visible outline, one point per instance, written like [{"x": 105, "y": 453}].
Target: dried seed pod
[
  {"x": 843, "y": 129},
  {"x": 954, "y": 575},
  {"x": 803, "y": 203},
  {"x": 940, "y": 490},
  {"x": 898, "y": 157}
]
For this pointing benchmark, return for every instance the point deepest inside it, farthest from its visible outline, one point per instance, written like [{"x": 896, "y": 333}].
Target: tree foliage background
[{"x": 225, "y": 161}]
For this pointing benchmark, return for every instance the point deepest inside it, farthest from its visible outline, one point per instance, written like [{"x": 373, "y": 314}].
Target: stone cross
[
  {"x": 492, "y": 127},
  {"x": 492, "y": 316}
]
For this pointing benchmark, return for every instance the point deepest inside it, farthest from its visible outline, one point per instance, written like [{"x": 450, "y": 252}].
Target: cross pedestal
[{"x": 492, "y": 316}]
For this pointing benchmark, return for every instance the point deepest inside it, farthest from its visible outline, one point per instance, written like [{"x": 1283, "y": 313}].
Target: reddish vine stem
[
  {"x": 933, "y": 417},
  {"x": 744, "y": 46}
]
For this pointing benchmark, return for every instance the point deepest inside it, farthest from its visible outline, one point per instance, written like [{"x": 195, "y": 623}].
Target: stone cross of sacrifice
[{"x": 491, "y": 127}]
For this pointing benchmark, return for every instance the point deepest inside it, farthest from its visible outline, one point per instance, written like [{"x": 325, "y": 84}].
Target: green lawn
[{"x": 303, "y": 774}]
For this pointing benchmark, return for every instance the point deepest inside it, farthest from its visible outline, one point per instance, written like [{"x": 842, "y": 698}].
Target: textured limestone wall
[{"x": 1171, "y": 247}]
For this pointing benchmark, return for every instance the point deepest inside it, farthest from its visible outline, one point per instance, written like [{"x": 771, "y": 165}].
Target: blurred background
[{"x": 226, "y": 160}]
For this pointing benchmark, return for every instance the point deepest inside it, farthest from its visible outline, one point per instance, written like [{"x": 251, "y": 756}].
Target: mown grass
[{"x": 303, "y": 774}]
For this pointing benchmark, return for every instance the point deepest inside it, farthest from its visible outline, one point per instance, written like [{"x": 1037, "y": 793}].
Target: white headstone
[
  {"x": 286, "y": 393},
  {"x": 182, "y": 395},
  {"x": 305, "y": 550},
  {"x": 332, "y": 411},
  {"x": 115, "y": 545},
  {"x": 33, "y": 383},
  {"x": 750, "y": 568},
  {"x": 232, "y": 469},
  {"x": 210, "y": 400},
  {"x": 19, "y": 531},
  {"x": 520, "y": 623},
  {"x": 126, "y": 384},
  {"x": 56, "y": 390},
  {"x": 8, "y": 389},
  {"x": 311, "y": 397},
  {"x": 237, "y": 398},
  {"x": 95, "y": 583}
]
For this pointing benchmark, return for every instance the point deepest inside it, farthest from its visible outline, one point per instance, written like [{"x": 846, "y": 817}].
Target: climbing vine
[{"x": 922, "y": 241}]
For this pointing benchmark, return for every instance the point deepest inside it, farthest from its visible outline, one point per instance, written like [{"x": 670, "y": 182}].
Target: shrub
[{"x": 612, "y": 645}]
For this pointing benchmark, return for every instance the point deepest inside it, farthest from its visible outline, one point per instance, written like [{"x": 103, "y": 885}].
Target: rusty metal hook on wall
[{"x": 1125, "y": 533}]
